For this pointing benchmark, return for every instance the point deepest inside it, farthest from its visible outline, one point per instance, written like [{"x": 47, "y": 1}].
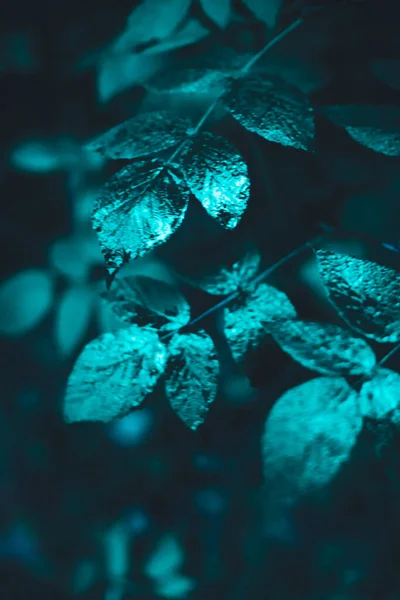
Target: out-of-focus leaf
[
  {"x": 73, "y": 256},
  {"x": 190, "y": 33},
  {"x": 265, "y": 10},
  {"x": 219, "y": 12},
  {"x": 113, "y": 374},
  {"x": 146, "y": 133},
  {"x": 232, "y": 279},
  {"x": 245, "y": 320},
  {"x": 24, "y": 301},
  {"x": 366, "y": 295},
  {"x": 166, "y": 559},
  {"x": 308, "y": 436},
  {"x": 192, "y": 376},
  {"x": 116, "y": 546},
  {"x": 175, "y": 586},
  {"x": 148, "y": 301},
  {"x": 273, "y": 109},
  {"x": 132, "y": 429},
  {"x": 117, "y": 72},
  {"x": 72, "y": 318},
  {"x": 138, "y": 210},
  {"x": 379, "y": 398},
  {"x": 388, "y": 71},
  {"x": 47, "y": 156},
  {"x": 323, "y": 347},
  {"x": 217, "y": 175}
]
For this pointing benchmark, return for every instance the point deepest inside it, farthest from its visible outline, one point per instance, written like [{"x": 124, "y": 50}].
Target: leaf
[
  {"x": 323, "y": 347},
  {"x": 24, "y": 301},
  {"x": 73, "y": 256},
  {"x": 265, "y": 10},
  {"x": 149, "y": 301},
  {"x": 120, "y": 71},
  {"x": 138, "y": 210},
  {"x": 387, "y": 70},
  {"x": 219, "y": 12},
  {"x": 273, "y": 109},
  {"x": 166, "y": 559},
  {"x": 308, "y": 436},
  {"x": 379, "y": 398},
  {"x": 188, "y": 80},
  {"x": 233, "y": 279},
  {"x": 175, "y": 586},
  {"x": 365, "y": 294},
  {"x": 217, "y": 175},
  {"x": 72, "y": 318},
  {"x": 146, "y": 133},
  {"x": 191, "y": 32},
  {"x": 113, "y": 374},
  {"x": 192, "y": 376},
  {"x": 246, "y": 318}
]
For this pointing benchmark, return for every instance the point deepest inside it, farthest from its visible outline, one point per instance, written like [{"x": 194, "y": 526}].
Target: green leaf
[
  {"x": 308, "y": 436},
  {"x": 365, "y": 294},
  {"x": 387, "y": 70},
  {"x": 146, "y": 133},
  {"x": 265, "y": 10},
  {"x": 232, "y": 279},
  {"x": 138, "y": 210},
  {"x": 323, "y": 347},
  {"x": 217, "y": 175},
  {"x": 273, "y": 109},
  {"x": 73, "y": 317},
  {"x": 219, "y": 12},
  {"x": 246, "y": 318},
  {"x": 148, "y": 301},
  {"x": 113, "y": 375},
  {"x": 379, "y": 398},
  {"x": 191, "y": 384}
]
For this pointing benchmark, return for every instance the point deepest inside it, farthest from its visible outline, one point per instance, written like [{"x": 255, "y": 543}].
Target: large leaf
[
  {"x": 323, "y": 347},
  {"x": 113, "y": 374},
  {"x": 72, "y": 318},
  {"x": 219, "y": 12},
  {"x": 217, "y": 175},
  {"x": 272, "y": 108},
  {"x": 365, "y": 294},
  {"x": 246, "y": 318},
  {"x": 144, "y": 134},
  {"x": 231, "y": 279},
  {"x": 191, "y": 384},
  {"x": 138, "y": 210},
  {"x": 265, "y": 10},
  {"x": 149, "y": 301},
  {"x": 308, "y": 436},
  {"x": 24, "y": 301},
  {"x": 379, "y": 398}
]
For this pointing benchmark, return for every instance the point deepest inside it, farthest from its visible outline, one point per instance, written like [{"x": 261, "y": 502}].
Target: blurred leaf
[
  {"x": 175, "y": 586},
  {"x": 72, "y": 318},
  {"x": 132, "y": 429},
  {"x": 230, "y": 280},
  {"x": 217, "y": 175},
  {"x": 387, "y": 70},
  {"x": 149, "y": 301},
  {"x": 138, "y": 210},
  {"x": 273, "y": 109},
  {"x": 117, "y": 556},
  {"x": 190, "y": 33},
  {"x": 192, "y": 376},
  {"x": 245, "y": 319},
  {"x": 74, "y": 255},
  {"x": 117, "y": 72},
  {"x": 379, "y": 398},
  {"x": 323, "y": 347},
  {"x": 113, "y": 374},
  {"x": 365, "y": 294},
  {"x": 24, "y": 301},
  {"x": 47, "y": 156},
  {"x": 265, "y": 10},
  {"x": 166, "y": 559},
  {"x": 219, "y": 11}
]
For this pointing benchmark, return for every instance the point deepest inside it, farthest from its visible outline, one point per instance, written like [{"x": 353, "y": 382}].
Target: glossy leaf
[
  {"x": 24, "y": 301},
  {"x": 113, "y": 374},
  {"x": 138, "y": 210},
  {"x": 273, "y": 109},
  {"x": 231, "y": 279},
  {"x": 219, "y": 11},
  {"x": 191, "y": 383},
  {"x": 388, "y": 71},
  {"x": 308, "y": 436},
  {"x": 148, "y": 301},
  {"x": 323, "y": 347},
  {"x": 265, "y": 10},
  {"x": 246, "y": 318},
  {"x": 365, "y": 294},
  {"x": 72, "y": 318},
  {"x": 217, "y": 175},
  {"x": 379, "y": 398}
]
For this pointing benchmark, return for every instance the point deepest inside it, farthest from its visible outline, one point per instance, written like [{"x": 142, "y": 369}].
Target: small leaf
[
  {"x": 166, "y": 559},
  {"x": 24, "y": 301},
  {"x": 366, "y": 295},
  {"x": 72, "y": 318},
  {"x": 175, "y": 586},
  {"x": 273, "y": 109},
  {"x": 265, "y": 10},
  {"x": 120, "y": 71},
  {"x": 191, "y": 384},
  {"x": 388, "y": 71},
  {"x": 113, "y": 374},
  {"x": 246, "y": 318},
  {"x": 308, "y": 436},
  {"x": 323, "y": 347},
  {"x": 138, "y": 210},
  {"x": 379, "y": 398},
  {"x": 73, "y": 256},
  {"x": 217, "y": 175},
  {"x": 233, "y": 279},
  {"x": 219, "y": 12},
  {"x": 149, "y": 301},
  {"x": 146, "y": 133},
  {"x": 191, "y": 32}
]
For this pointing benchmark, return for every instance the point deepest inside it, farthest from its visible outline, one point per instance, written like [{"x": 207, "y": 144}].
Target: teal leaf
[
  {"x": 219, "y": 12},
  {"x": 365, "y": 294},
  {"x": 323, "y": 347},
  {"x": 308, "y": 436},
  {"x": 167, "y": 558},
  {"x": 146, "y": 133},
  {"x": 113, "y": 375},
  {"x": 387, "y": 70},
  {"x": 217, "y": 175},
  {"x": 246, "y": 318},
  {"x": 73, "y": 256},
  {"x": 379, "y": 398},
  {"x": 265, "y": 10},
  {"x": 120, "y": 71},
  {"x": 138, "y": 210},
  {"x": 192, "y": 376},
  {"x": 231, "y": 279},
  {"x": 175, "y": 586},
  {"x": 24, "y": 300},
  {"x": 192, "y": 32},
  {"x": 148, "y": 301},
  {"x": 190, "y": 80},
  {"x": 273, "y": 109},
  {"x": 72, "y": 318}
]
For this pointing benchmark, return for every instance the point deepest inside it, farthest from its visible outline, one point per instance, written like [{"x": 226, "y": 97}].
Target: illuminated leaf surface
[
  {"x": 365, "y": 294},
  {"x": 273, "y": 109},
  {"x": 265, "y": 10},
  {"x": 191, "y": 384},
  {"x": 72, "y": 318},
  {"x": 113, "y": 374},
  {"x": 230, "y": 280},
  {"x": 379, "y": 398},
  {"x": 219, "y": 12},
  {"x": 138, "y": 210}
]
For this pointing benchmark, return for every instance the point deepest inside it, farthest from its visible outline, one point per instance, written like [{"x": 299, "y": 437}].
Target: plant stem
[{"x": 389, "y": 354}]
